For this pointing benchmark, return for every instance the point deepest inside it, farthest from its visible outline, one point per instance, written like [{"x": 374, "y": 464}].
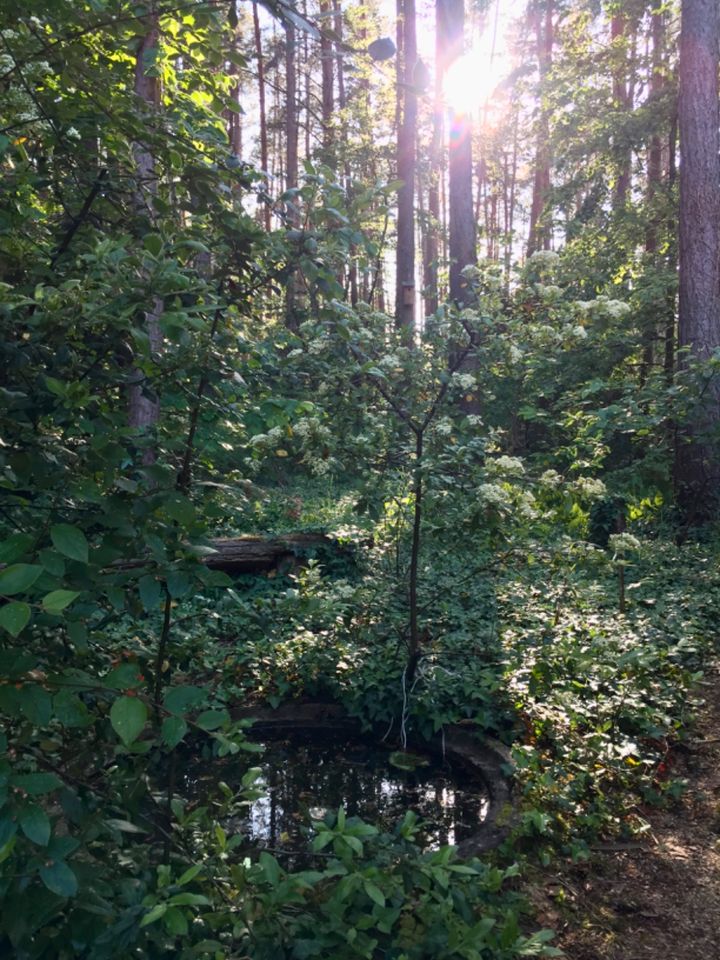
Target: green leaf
[
  {"x": 36, "y": 784},
  {"x": 190, "y": 874},
  {"x": 18, "y": 578},
  {"x": 70, "y": 710},
  {"x": 8, "y": 829},
  {"x": 35, "y": 704},
  {"x": 212, "y": 719},
  {"x": 270, "y": 867},
  {"x": 56, "y": 601},
  {"x": 59, "y": 878},
  {"x": 15, "y": 547},
  {"x": 178, "y": 584},
  {"x": 14, "y": 617},
  {"x": 179, "y": 699},
  {"x": 70, "y": 541},
  {"x": 78, "y": 635},
  {"x": 35, "y": 824},
  {"x": 158, "y": 911},
  {"x": 150, "y": 592},
  {"x": 175, "y": 922},
  {"x": 375, "y": 893},
  {"x": 153, "y": 243},
  {"x": 173, "y": 730},
  {"x": 128, "y": 716}
]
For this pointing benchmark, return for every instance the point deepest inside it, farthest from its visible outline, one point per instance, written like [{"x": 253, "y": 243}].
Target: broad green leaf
[
  {"x": 15, "y": 547},
  {"x": 59, "y": 878},
  {"x": 128, "y": 716},
  {"x": 8, "y": 828},
  {"x": 153, "y": 243},
  {"x": 70, "y": 710},
  {"x": 70, "y": 541},
  {"x": 157, "y": 911},
  {"x": 175, "y": 922},
  {"x": 212, "y": 719},
  {"x": 56, "y": 601},
  {"x": 150, "y": 591},
  {"x": 35, "y": 824},
  {"x": 14, "y": 617},
  {"x": 375, "y": 893},
  {"x": 35, "y": 703},
  {"x": 178, "y": 584},
  {"x": 180, "y": 699},
  {"x": 18, "y": 578},
  {"x": 36, "y": 784},
  {"x": 173, "y": 730}
]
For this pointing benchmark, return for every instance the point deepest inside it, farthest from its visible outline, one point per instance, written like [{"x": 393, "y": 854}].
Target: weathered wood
[{"x": 258, "y": 554}]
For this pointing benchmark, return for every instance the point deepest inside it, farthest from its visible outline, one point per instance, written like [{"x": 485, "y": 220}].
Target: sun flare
[{"x": 470, "y": 84}]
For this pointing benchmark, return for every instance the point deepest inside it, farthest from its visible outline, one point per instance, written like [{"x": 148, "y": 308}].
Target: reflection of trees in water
[{"x": 306, "y": 780}]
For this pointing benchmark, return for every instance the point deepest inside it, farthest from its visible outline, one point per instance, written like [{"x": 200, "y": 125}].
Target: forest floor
[{"x": 658, "y": 899}]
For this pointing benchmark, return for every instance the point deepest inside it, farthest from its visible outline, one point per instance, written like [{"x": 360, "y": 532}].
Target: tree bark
[
  {"x": 326, "y": 62},
  {"x": 462, "y": 250},
  {"x": 540, "y": 233},
  {"x": 621, "y": 102},
  {"x": 407, "y": 133},
  {"x": 291, "y": 160},
  {"x": 143, "y": 402},
  {"x": 697, "y": 468},
  {"x": 263, "y": 110}
]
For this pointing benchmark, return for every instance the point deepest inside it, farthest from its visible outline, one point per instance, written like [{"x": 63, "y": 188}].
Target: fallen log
[{"x": 260, "y": 554}]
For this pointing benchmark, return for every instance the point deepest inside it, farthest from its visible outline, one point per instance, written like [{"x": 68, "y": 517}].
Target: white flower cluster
[
  {"x": 391, "y": 361},
  {"x": 615, "y": 309},
  {"x": 544, "y": 258},
  {"x": 310, "y": 428},
  {"x": 526, "y": 505},
  {"x": 9, "y": 34},
  {"x": 506, "y": 466},
  {"x": 265, "y": 440},
  {"x": 621, "y": 543},
  {"x": 473, "y": 420},
  {"x": 548, "y": 291},
  {"x": 550, "y": 478},
  {"x": 444, "y": 427},
  {"x": 589, "y": 487},
  {"x": 471, "y": 272},
  {"x": 6, "y": 63},
  {"x": 465, "y": 381},
  {"x": 493, "y": 495},
  {"x": 317, "y": 346}
]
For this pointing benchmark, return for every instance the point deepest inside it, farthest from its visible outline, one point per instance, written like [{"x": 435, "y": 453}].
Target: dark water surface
[{"x": 305, "y": 776}]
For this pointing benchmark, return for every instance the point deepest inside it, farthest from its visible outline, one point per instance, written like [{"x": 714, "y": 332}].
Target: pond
[{"x": 306, "y": 775}]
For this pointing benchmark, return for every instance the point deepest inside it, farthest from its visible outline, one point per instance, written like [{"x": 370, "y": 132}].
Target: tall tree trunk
[
  {"x": 654, "y": 184},
  {"x": 326, "y": 62},
  {"x": 462, "y": 252},
  {"x": 407, "y": 133},
  {"x": 540, "y": 232},
  {"x": 291, "y": 160},
  {"x": 143, "y": 402},
  {"x": 263, "y": 110},
  {"x": 697, "y": 467},
  {"x": 432, "y": 245},
  {"x": 621, "y": 102}
]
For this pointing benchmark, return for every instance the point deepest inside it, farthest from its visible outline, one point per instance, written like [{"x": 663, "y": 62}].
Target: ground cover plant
[{"x": 513, "y": 472}]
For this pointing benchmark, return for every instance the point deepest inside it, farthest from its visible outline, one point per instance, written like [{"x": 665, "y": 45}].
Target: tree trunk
[
  {"x": 434, "y": 221},
  {"x": 143, "y": 402},
  {"x": 326, "y": 61},
  {"x": 540, "y": 233},
  {"x": 263, "y": 111},
  {"x": 621, "y": 103},
  {"x": 291, "y": 161},
  {"x": 407, "y": 133},
  {"x": 462, "y": 252},
  {"x": 697, "y": 468}
]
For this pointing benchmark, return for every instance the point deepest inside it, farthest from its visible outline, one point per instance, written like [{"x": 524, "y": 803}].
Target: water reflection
[{"x": 304, "y": 779}]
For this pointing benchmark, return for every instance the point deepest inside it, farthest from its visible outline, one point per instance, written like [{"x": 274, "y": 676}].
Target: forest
[{"x": 359, "y": 479}]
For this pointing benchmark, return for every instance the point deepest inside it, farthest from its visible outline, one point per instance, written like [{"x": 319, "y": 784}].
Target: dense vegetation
[{"x": 203, "y": 207}]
